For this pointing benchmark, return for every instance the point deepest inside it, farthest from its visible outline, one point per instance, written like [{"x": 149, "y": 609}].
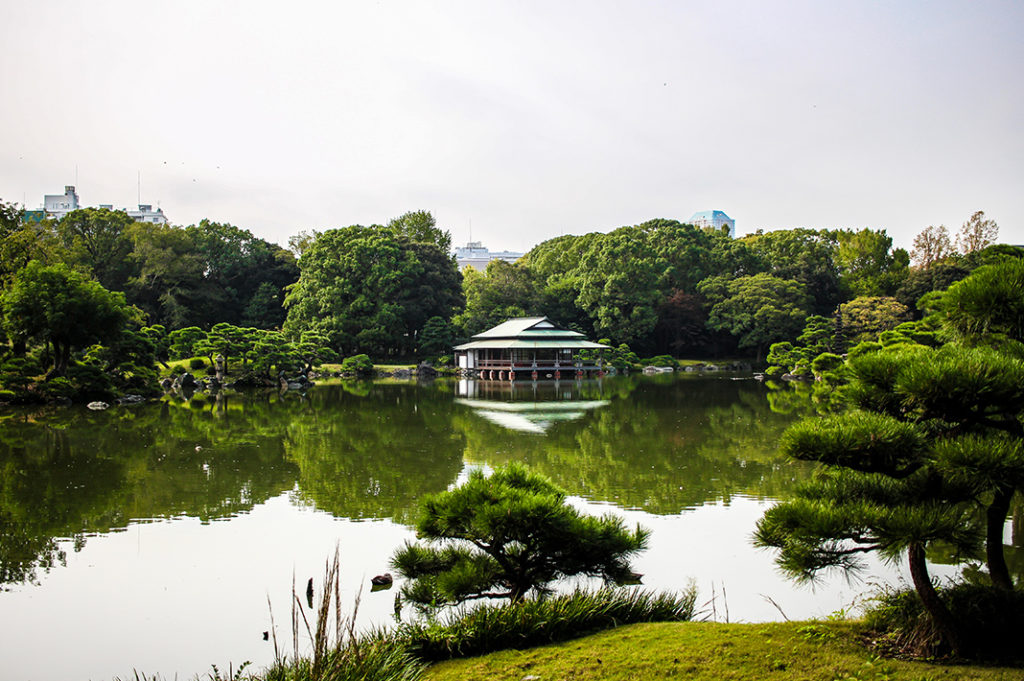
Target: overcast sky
[{"x": 520, "y": 120}]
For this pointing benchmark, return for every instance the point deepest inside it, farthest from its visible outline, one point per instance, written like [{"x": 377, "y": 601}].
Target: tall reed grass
[{"x": 337, "y": 652}]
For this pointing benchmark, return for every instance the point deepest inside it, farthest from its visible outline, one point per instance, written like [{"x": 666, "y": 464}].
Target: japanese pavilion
[{"x": 527, "y": 347}]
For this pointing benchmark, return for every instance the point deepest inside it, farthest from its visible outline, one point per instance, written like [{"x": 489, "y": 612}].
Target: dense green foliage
[
  {"x": 372, "y": 290},
  {"x": 507, "y": 535},
  {"x": 664, "y": 287},
  {"x": 63, "y": 308},
  {"x": 78, "y": 293}
]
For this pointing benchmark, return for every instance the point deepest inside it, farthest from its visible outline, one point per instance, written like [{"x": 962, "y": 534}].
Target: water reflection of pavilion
[{"x": 530, "y": 406}]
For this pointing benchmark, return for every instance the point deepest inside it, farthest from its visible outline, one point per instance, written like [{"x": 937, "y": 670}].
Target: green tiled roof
[
  {"x": 530, "y": 344},
  {"x": 528, "y": 327}
]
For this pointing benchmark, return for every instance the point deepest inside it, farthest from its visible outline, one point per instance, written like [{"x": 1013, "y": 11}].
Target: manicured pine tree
[
  {"x": 507, "y": 535},
  {"x": 933, "y": 439}
]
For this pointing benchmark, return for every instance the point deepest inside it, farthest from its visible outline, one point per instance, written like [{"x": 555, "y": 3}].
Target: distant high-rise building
[
  {"x": 715, "y": 219},
  {"x": 476, "y": 255}
]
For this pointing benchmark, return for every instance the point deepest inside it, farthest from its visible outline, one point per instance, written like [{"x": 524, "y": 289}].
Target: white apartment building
[
  {"x": 475, "y": 254},
  {"x": 56, "y": 206}
]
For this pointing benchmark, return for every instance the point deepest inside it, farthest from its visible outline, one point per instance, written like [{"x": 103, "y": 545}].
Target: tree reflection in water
[{"x": 371, "y": 450}]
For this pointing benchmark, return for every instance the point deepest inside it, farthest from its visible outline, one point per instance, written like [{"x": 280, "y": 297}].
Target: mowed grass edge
[{"x": 699, "y": 651}]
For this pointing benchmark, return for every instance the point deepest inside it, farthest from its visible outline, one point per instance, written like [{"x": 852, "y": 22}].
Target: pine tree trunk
[
  {"x": 934, "y": 606},
  {"x": 996, "y": 519}
]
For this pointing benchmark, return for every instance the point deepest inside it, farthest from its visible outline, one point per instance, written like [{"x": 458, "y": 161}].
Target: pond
[{"x": 162, "y": 538}]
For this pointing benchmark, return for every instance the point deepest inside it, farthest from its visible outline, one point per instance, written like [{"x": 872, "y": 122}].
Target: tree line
[
  {"x": 393, "y": 291},
  {"x": 665, "y": 287}
]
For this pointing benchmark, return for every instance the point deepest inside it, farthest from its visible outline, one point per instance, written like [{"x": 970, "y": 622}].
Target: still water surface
[{"x": 158, "y": 538}]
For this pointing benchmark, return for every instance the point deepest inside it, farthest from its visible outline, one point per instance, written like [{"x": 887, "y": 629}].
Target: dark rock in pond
[
  {"x": 251, "y": 380},
  {"x": 98, "y": 406},
  {"x": 187, "y": 380},
  {"x": 166, "y": 384},
  {"x": 402, "y": 373},
  {"x": 299, "y": 382},
  {"x": 632, "y": 578},
  {"x": 381, "y": 582},
  {"x": 131, "y": 399},
  {"x": 426, "y": 370}
]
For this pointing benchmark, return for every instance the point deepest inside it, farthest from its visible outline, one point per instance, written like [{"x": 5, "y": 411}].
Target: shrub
[
  {"x": 196, "y": 363},
  {"x": 990, "y": 620},
  {"x": 540, "y": 621},
  {"x": 826, "y": 361},
  {"x": 91, "y": 383},
  {"x": 58, "y": 388},
  {"x": 139, "y": 379},
  {"x": 17, "y": 373},
  {"x": 661, "y": 361},
  {"x": 359, "y": 364}
]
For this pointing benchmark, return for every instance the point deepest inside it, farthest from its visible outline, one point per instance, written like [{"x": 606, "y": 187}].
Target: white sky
[{"x": 521, "y": 120}]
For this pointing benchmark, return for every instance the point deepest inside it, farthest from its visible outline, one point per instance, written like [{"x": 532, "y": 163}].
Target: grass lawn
[{"x": 705, "y": 651}]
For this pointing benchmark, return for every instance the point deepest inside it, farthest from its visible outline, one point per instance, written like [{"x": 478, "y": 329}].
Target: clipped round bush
[
  {"x": 359, "y": 364},
  {"x": 56, "y": 389},
  {"x": 826, "y": 361},
  {"x": 197, "y": 363}
]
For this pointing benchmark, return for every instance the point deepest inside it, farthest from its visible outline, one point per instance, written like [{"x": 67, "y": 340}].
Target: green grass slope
[{"x": 705, "y": 651}]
